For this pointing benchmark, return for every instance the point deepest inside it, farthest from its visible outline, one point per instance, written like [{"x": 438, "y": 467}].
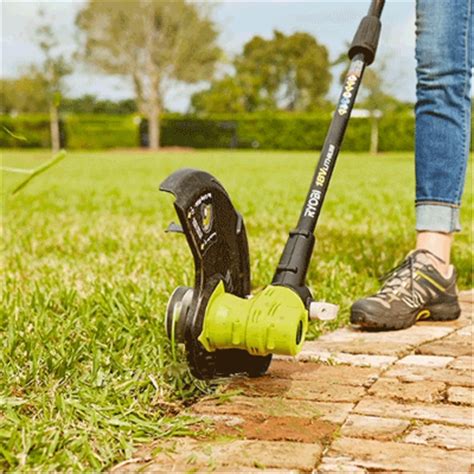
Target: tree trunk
[
  {"x": 54, "y": 126},
  {"x": 154, "y": 127},
  {"x": 374, "y": 136}
]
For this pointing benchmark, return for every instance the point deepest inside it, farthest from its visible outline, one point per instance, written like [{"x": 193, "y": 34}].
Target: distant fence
[{"x": 285, "y": 131}]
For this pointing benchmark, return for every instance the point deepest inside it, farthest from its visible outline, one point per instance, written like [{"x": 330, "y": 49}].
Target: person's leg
[
  {"x": 443, "y": 120},
  {"x": 424, "y": 285},
  {"x": 438, "y": 243}
]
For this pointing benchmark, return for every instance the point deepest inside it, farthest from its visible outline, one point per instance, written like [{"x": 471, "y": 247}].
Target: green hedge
[
  {"x": 285, "y": 131},
  {"x": 282, "y": 131},
  {"x": 194, "y": 132},
  {"x": 27, "y": 131},
  {"x": 101, "y": 131},
  {"x": 397, "y": 132}
]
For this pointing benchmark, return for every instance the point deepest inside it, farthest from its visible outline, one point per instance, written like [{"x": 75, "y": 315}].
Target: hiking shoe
[{"x": 412, "y": 291}]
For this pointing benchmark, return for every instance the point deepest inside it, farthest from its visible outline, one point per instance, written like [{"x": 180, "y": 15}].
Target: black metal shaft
[
  {"x": 319, "y": 185},
  {"x": 296, "y": 255}
]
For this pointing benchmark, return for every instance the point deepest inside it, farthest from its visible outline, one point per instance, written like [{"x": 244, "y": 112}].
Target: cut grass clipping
[
  {"x": 35, "y": 172},
  {"x": 87, "y": 373}
]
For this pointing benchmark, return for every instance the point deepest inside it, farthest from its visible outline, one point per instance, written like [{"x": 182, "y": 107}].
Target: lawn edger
[{"x": 224, "y": 329}]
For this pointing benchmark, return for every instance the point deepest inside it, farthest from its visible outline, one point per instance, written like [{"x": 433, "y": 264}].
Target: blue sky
[{"x": 332, "y": 22}]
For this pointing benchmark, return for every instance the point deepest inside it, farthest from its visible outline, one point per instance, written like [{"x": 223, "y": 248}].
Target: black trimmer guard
[{"x": 216, "y": 234}]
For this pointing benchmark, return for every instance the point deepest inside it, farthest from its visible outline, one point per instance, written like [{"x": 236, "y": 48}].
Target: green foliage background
[
  {"x": 267, "y": 131},
  {"x": 25, "y": 131}
]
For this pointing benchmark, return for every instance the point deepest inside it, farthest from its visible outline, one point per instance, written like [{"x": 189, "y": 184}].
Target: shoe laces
[{"x": 390, "y": 279}]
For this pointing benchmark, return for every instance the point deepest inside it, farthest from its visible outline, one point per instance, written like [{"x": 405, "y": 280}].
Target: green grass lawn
[{"x": 86, "y": 370}]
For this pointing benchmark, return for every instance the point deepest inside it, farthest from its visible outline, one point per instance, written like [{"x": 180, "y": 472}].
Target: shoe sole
[{"x": 378, "y": 322}]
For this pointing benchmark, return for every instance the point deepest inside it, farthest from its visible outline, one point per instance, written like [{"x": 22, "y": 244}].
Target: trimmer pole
[{"x": 296, "y": 255}]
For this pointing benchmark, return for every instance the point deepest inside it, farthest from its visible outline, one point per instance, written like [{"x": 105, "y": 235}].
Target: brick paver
[
  {"x": 425, "y": 391},
  {"x": 374, "y": 427},
  {"x": 448, "y": 437},
  {"x": 373, "y": 455},
  {"x": 352, "y": 401},
  {"x": 426, "y": 361},
  {"x": 461, "y": 395}
]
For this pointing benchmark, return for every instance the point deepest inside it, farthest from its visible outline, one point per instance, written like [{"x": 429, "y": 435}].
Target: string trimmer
[{"x": 225, "y": 330}]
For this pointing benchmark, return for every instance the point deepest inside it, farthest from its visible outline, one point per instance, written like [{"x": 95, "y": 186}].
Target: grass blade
[{"x": 41, "y": 169}]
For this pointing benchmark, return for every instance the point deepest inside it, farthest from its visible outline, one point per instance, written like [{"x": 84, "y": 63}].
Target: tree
[
  {"x": 50, "y": 76},
  {"x": 377, "y": 102},
  {"x": 291, "y": 72},
  {"x": 224, "y": 96},
  {"x": 152, "y": 43},
  {"x": 24, "y": 94},
  {"x": 283, "y": 72},
  {"x": 90, "y": 104}
]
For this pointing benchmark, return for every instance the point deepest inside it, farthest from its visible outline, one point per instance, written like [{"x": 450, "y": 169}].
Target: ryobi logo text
[
  {"x": 201, "y": 216},
  {"x": 315, "y": 195},
  {"x": 346, "y": 97}
]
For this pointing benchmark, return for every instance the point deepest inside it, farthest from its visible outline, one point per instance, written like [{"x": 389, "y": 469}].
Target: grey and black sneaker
[{"x": 412, "y": 291}]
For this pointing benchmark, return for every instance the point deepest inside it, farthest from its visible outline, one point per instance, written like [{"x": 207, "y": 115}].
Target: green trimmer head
[{"x": 225, "y": 330}]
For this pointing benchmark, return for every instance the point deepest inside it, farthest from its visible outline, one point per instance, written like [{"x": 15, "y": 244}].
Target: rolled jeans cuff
[{"x": 437, "y": 217}]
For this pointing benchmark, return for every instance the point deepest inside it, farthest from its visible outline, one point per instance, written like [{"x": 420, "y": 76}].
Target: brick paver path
[{"x": 354, "y": 401}]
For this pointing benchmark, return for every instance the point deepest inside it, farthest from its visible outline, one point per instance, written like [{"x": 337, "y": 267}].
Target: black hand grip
[{"x": 366, "y": 39}]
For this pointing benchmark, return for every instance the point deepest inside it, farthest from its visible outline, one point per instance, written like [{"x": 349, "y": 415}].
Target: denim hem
[
  {"x": 432, "y": 202},
  {"x": 437, "y": 218}
]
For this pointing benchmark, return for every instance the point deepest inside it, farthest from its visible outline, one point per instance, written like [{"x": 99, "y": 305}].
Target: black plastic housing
[
  {"x": 216, "y": 235},
  {"x": 294, "y": 262}
]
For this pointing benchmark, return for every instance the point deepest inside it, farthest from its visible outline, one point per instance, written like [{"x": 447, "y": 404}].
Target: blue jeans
[{"x": 444, "y": 44}]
